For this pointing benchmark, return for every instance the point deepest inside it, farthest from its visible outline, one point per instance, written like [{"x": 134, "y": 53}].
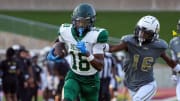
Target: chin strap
[
  {"x": 140, "y": 39},
  {"x": 140, "y": 42}
]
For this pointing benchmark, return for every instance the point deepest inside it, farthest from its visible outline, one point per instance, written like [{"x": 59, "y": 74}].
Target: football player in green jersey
[
  {"x": 174, "y": 46},
  {"x": 85, "y": 44},
  {"x": 143, "y": 48}
]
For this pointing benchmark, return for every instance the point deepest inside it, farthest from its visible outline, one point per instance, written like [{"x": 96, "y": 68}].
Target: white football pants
[{"x": 145, "y": 93}]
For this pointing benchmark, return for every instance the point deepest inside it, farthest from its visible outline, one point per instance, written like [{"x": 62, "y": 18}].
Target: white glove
[{"x": 174, "y": 79}]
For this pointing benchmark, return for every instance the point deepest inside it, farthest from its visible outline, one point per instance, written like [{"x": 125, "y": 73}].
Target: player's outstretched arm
[{"x": 115, "y": 48}]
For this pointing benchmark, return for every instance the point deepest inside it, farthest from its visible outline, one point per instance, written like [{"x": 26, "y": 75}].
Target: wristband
[
  {"x": 106, "y": 48},
  {"x": 90, "y": 57},
  {"x": 177, "y": 68}
]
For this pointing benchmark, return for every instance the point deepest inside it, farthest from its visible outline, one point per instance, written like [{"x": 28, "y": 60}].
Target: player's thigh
[
  {"x": 90, "y": 92},
  {"x": 145, "y": 93},
  {"x": 14, "y": 88},
  {"x": 9, "y": 86},
  {"x": 71, "y": 89}
]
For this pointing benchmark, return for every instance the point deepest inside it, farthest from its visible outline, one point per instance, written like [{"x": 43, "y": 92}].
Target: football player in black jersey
[{"x": 9, "y": 78}]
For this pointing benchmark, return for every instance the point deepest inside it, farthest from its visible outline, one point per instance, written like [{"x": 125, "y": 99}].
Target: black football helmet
[
  {"x": 10, "y": 52},
  {"x": 83, "y": 18}
]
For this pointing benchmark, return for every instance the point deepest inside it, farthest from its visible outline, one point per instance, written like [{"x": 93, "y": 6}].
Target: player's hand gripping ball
[{"x": 60, "y": 49}]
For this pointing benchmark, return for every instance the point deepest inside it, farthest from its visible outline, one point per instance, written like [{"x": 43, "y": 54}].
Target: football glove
[
  {"x": 81, "y": 46},
  {"x": 51, "y": 56}
]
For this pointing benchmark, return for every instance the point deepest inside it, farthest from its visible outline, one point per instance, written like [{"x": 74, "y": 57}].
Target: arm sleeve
[
  {"x": 60, "y": 38},
  {"x": 60, "y": 34},
  {"x": 103, "y": 36},
  {"x": 98, "y": 48}
]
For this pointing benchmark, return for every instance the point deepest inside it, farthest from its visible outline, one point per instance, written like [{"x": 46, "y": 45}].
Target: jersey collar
[{"x": 75, "y": 35}]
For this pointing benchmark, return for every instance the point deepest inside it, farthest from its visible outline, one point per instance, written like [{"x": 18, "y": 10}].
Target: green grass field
[{"x": 118, "y": 23}]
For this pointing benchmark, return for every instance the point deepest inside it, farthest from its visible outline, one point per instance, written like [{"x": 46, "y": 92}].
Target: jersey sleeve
[
  {"x": 103, "y": 36},
  {"x": 98, "y": 48},
  {"x": 171, "y": 43},
  {"x": 126, "y": 38},
  {"x": 162, "y": 44},
  {"x": 61, "y": 30}
]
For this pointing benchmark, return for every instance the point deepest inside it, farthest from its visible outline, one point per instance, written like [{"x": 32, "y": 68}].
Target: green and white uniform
[{"x": 82, "y": 74}]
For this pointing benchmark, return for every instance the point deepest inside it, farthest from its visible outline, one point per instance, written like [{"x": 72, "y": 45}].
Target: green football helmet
[{"x": 83, "y": 18}]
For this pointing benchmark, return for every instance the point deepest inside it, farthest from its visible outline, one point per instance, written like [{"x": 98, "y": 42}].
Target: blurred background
[{"x": 35, "y": 23}]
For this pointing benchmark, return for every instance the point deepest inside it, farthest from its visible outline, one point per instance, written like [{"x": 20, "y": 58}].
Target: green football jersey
[{"x": 94, "y": 40}]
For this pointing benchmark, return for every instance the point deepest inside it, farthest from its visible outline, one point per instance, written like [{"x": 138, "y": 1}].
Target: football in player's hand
[{"x": 60, "y": 49}]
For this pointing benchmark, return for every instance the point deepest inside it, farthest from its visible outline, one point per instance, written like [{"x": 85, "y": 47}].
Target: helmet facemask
[
  {"x": 82, "y": 25},
  {"x": 144, "y": 36}
]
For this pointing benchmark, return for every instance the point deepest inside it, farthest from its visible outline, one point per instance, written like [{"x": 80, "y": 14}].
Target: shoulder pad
[
  {"x": 174, "y": 42},
  {"x": 64, "y": 27},
  {"x": 103, "y": 36},
  {"x": 127, "y": 38},
  {"x": 161, "y": 43}
]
